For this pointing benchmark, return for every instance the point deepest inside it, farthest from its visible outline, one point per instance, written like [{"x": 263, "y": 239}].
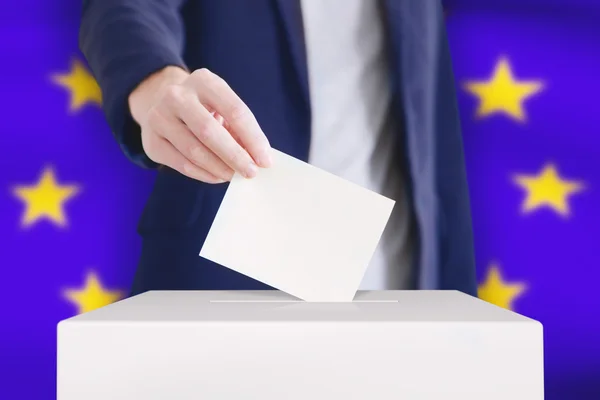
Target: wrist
[{"x": 146, "y": 93}]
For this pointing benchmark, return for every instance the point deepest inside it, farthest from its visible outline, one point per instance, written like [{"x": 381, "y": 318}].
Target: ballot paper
[{"x": 298, "y": 229}]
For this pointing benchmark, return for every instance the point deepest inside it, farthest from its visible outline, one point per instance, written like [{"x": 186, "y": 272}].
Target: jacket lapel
[
  {"x": 414, "y": 33},
  {"x": 413, "y": 43},
  {"x": 291, "y": 17}
]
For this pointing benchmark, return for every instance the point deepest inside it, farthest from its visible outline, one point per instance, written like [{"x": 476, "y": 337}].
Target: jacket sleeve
[
  {"x": 124, "y": 41},
  {"x": 457, "y": 258}
]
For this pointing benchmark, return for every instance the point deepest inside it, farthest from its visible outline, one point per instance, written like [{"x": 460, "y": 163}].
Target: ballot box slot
[{"x": 301, "y": 301}]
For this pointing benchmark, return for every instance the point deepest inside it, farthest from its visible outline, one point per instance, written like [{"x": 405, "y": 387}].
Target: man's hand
[{"x": 195, "y": 124}]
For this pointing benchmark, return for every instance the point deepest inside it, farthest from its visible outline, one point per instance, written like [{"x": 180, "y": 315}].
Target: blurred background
[{"x": 526, "y": 74}]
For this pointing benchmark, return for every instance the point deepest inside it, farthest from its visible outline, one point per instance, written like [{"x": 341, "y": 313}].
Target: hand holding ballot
[{"x": 196, "y": 124}]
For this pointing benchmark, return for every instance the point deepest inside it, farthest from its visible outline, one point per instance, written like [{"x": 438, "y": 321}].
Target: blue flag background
[{"x": 526, "y": 74}]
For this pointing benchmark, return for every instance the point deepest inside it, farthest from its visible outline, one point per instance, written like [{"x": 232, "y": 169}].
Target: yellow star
[
  {"x": 46, "y": 199},
  {"x": 503, "y": 93},
  {"x": 494, "y": 290},
  {"x": 547, "y": 189},
  {"x": 92, "y": 296},
  {"x": 81, "y": 84}
]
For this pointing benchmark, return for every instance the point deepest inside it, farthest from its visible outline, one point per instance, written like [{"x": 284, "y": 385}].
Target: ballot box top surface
[{"x": 237, "y": 306}]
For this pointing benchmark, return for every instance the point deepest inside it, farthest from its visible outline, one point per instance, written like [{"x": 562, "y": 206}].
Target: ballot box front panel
[{"x": 292, "y": 350}]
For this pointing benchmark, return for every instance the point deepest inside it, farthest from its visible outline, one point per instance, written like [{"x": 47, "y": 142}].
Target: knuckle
[
  {"x": 184, "y": 168},
  {"x": 236, "y": 157},
  {"x": 203, "y": 74},
  {"x": 172, "y": 94},
  {"x": 205, "y": 130},
  {"x": 238, "y": 112},
  {"x": 194, "y": 152}
]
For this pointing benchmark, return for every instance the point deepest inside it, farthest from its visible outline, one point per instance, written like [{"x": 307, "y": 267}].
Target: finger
[
  {"x": 192, "y": 149},
  {"x": 216, "y": 94},
  {"x": 172, "y": 158},
  {"x": 234, "y": 135},
  {"x": 216, "y": 138}
]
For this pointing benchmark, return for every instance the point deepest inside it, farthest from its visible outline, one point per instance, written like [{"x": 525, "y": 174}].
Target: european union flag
[
  {"x": 527, "y": 77},
  {"x": 69, "y": 201}
]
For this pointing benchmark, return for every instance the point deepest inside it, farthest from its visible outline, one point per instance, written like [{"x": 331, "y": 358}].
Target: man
[{"x": 361, "y": 88}]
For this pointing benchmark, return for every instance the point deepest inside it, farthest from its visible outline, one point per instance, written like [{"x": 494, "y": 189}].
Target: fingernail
[
  {"x": 265, "y": 159},
  {"x": 225, "y": 176},
  {"x": 251, "y": 171}
]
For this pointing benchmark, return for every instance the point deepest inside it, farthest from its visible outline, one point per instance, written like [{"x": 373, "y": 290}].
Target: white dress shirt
[{"x": 353, "y": 132}]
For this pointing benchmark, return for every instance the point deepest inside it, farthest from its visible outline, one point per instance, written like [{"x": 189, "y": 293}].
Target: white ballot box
[{"x": 421, "y": 345}]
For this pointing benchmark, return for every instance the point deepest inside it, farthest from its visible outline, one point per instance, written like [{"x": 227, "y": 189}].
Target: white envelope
[{"x": 298, "y": 229}]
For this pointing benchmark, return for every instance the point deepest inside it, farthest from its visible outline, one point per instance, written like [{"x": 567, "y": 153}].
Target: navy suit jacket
[{"x": 257, "y": 46}]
